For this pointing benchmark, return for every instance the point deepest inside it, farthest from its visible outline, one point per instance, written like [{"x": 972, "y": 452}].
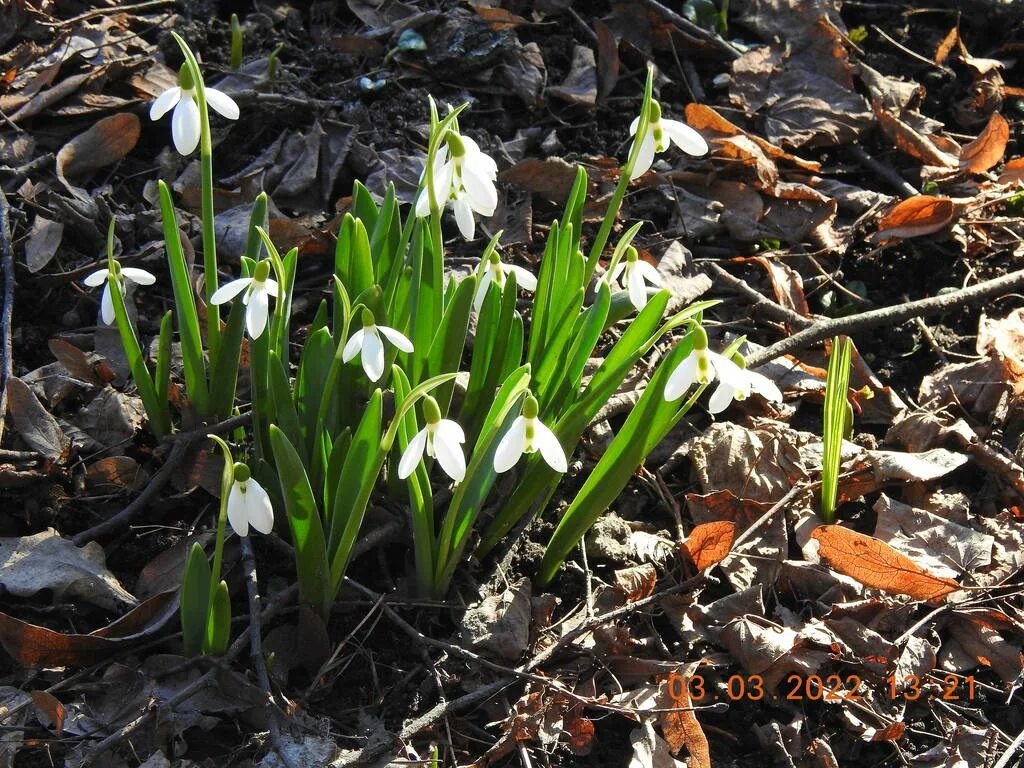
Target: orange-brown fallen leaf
[
  {"x": 680, "y": 727},
  {"x": 49, "y": 706},
  {"x": 709, "y": 543},
  {"x": 637, "y": 582},
  {"x": 916, "y": 216},
  {"x": 874, "y": 563},
  {"x": 985, "y": 151},
  {"x": 1013, "y": 171}
]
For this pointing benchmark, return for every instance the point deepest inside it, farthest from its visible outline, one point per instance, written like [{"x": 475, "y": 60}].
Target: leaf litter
[{"x": 860, "y": 157}]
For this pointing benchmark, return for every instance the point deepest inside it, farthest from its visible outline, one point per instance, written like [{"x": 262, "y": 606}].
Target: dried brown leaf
[
  {"x": 50, "y": 707},
  {"x": 109, "y": 140},
  {"x": 945, "y": 47},
  {"x": 709, "y": 543},
  {"x": 37, "y": 427},
  {"x": 637, "y": 582},
  {"x": 680, "y": 726},
  {"x": 1013, "y": 171},
  {"x": 580, "y": 85},
  {"x": 875, "y": 564},
  {"x": 552, "y": 178},
  {"x": 916, "y": 216},
  {"x": 607, "y": 59},
  {"x": 37, "y": 647},
  {"x": 498, "y": 18},
  {"x": 987, "y": 150}
]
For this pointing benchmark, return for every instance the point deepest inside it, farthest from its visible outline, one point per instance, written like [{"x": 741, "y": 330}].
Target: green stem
[{"x": 601, "y": 240}]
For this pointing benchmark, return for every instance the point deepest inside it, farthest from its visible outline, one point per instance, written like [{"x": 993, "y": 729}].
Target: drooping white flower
[
  {"x": 249, "y": 504},
  {"x": 185, "y": 125},
  {"x": 528, "y": 435},
  {"x": 126, "y": 274},
  {"x": 660, "y": 134},
  {"x": 367, "y": 343},
  {"x": 257, "y": 292},
  {"x": 464, "y": 178},
  {"x": 441, "y": 439},
  {"x": 635, "y": 273},
  {"x": 702, "y": 366},
  {"x": 494, "y": 271}
]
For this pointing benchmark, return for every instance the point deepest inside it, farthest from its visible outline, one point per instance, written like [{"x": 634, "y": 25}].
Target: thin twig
[
  {"x": 7, "y": 308},
  {"x": 104, "y": 11},
  {"x": 762, "y": 303},
  {"x": 694, "y": 30},
  {"x": 888, "y": 316},
  {"x": 180, "y": 444},
  {"x": 259, "y": 664},
  {"x": 883, "y": 171}
]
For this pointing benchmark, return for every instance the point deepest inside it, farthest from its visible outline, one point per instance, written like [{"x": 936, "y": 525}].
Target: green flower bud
[
  {"x": 655, "y": 111},
  {"x": 531, "y": 407},
  {"x": 455, "y": 145},
  {"x": 185, "y": 79},
  {"x": 431, "y": 410},
  {"x": 700, "y": 338},
  {"x": 241, "y": 472},
  {"x": 368, "y": 318},
  {"x": 262, "y": 271}
]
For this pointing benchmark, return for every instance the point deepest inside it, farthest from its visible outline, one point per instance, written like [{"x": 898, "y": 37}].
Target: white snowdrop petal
[
  {"x": 483, "y": 196},
  {"x": 637, "y": 289},
  {"x": 682, "y": 378},
  {"x": 451, "y": 431},
  {"x": 396, "y": 338},
  {"x": 185, "y": 126},
  {"x": 510, "y": 447},
  {"x": 464, "y": 218},
  {"x": 481, "y": 293},
  {"x": 259, "y": 508},
  {"x": 449, "y": 456},
  {"x": 617, "y": 272},
  {"x": 525, "y": 279},
  {"x": 649, "y": 272},
  {"x": 97, "y": 278},
  {"x": 107, "y": 306},
  {"x": 633, "y": 125},
  {"x": 228, "y": 291},
  {"x": 237, "y": 511},
  {"x": 684, "y": 137},
  {"x": 721, "y": 397},
  {"x": 164, "y": 103},
  {"x": 546, "y": 442},
  {"x": 423, "y": 204},
  {"x": 138, "y": 276},
  {"x": 270, "y": 286},
  {"x": 353, "y": 346},
  {"x": 645, "y": 158},
  {"x": 222, "y": 103},
  {"x": 412, "y": 454},
  {"x": 731, "y": 374},
  {"x": 373, "y": 356},
  {"x": 764, "y": 386},
  {"x": 256, "y": 312}
]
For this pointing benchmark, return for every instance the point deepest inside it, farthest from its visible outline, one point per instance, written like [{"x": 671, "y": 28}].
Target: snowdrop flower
[
  {"x": 734, "y": 381},
  {"x": 249, "y": 504},
  {"x": 257, "y": 292},
  {"x": 124, "y": 275},
  {"x": 185, "y": 125},
  {"x": 441, "y": 439},
  {"x": 496, "y": 272},
  {"x": 661, "y": 133},
  {"x": 465, "y": 180},
  {"x": 367, "y": 343},
  {"x": 528, "y": 435},
  {"x": 635, "y": 274}
]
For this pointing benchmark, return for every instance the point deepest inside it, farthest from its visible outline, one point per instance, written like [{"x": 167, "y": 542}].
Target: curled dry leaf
[
  {"x": 33, "y": 422},
  {"x": 49, "y": 707},
  {"x": 637, "y": 582},
  {"x": 105, "y": 143},
  {"x": 985, "y": 151},
  {"x": 875, "y": 564},
  {"x": 915, "y": 216},
  {"x": 37, "y": 647},
  {"x": 709, "y": 543}
]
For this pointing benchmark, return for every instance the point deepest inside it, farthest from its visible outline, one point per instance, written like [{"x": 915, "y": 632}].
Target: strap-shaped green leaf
[
  {"x": 311, "y": 562},
  {"x": 449, "y": 342},
  {"x": 193, "y": 363},
  {"x": 195, "y": 596},
  {"x": 218, "y": 630},
  {"x": 649, "y": 421},
  {"x": 837, "y": 384}
]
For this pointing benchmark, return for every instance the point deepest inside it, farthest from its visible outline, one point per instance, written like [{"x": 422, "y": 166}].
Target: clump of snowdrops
[{"x": 371, "y": 405}]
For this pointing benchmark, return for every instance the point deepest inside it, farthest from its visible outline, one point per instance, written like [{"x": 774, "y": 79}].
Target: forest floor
[{"x": 864, "y": 179}]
